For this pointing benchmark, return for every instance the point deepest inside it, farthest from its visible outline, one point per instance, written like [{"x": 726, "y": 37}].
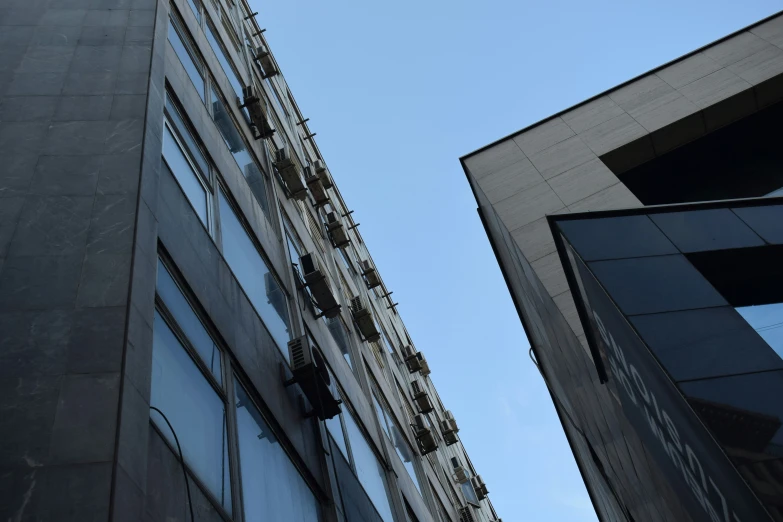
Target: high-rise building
[
  {"x": 191, "y": 325},
  {"x": 640, "y": 234}
]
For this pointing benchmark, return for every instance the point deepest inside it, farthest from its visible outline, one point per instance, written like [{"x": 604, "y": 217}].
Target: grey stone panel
[
  {"x": 28, "y": 283},
  {"x": 15, "y": 177},
  {"x": 89, "y": 84},
  {"x": 83, "y": 108},
  {"x": 52, "y": 225},
  {"x": 27, "y": 108},
  {"x": 132, "y": 442},
  {"x": 34, "y": 342},
  {"x": 96, "y": 340},
  {"x": 102, "y": 35},
  {"x": 10, "y": 210}
]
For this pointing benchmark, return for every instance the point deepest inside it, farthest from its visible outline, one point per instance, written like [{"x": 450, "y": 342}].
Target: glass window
[
  {"x": 272, "y": 487},
  {"x": 395, "y": 435},
  {"x": 346, "y": 260},
  {"x": 767, "y": 320},
  {"x": 187, "y": 57},
  {"x": 194, "y": 409},
  {"x": 334, "y": 425},
  {"x": 183, "y": 131},
  {"x": 186, "y": 318},
  {"x": 233, "y": 139},
  {"x": 194, "y": 7},
  {"x": 277, "y": 103},
  {"x": 469, "y": 492},
  {"x": 337, "y": 329},
  {"x": 185, "y": 174},
  {"x": 252, "y": 273},
  {"x": 368, "y": 468},
  {"x": 225, "y": 63},
  {"x": 775, "y": 193}
]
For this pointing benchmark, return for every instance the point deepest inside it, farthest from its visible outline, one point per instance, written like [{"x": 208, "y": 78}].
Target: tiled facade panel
[{"x": 73, "y": 83}]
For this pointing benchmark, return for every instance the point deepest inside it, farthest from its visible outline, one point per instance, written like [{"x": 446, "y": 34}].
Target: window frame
[{"x": 175, "y": 20}]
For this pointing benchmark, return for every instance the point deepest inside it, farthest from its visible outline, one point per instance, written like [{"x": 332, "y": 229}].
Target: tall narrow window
[
  {"x": 253, "y": 274},
  {"x": 238, "y": 147},
  {"x": 195, "y": 410},
  {"x": 194, "y": 6},
  {"x": 222, "y": 57},
  {"x": 187, "y": 55},
  {"x": 182, "y": 168},
  {"x": 273, "y": 488}
]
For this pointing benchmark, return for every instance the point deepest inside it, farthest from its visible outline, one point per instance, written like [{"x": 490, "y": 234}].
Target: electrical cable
[{"x": 181, "y": 460}]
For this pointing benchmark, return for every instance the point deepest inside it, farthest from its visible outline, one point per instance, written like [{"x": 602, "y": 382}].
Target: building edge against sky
[
  {"x": 178, "y": 272},
  {"x": 700, "y": 128}
]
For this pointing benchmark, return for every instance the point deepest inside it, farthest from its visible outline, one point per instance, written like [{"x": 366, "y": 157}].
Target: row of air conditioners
[
  {"x": 421, "y": 398},
  {"x": 318, "y": 181},
  {"x": 318, "y": 283},
  {"x": 479, "y": 487},
  {"x": 415, "y": 361},
  {"x": 460, "y": 476},
  {"x": 316, "y": 177},
  {"x": 449, "y": 428},
  {"x": 258, "y": 116},
  {"x": 311, "y": 374},
  {"x": 338, "y": 233}
]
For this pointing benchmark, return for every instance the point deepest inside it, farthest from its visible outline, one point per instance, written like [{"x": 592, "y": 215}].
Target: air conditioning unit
[
  {"x": 425, "y": 367},
  {"x": 316, "y": 186},
  {"x": 363, "y": 317},
  {"x": 289, "y": 171},
  {"x": 459, "y": 474},
  {"x": 425, "y": 439},
  {"x": 449, "y": 428},
  {"x": 412, "y": 358},
  {"x": 275, "y": 295},
  {"x": 323, "y": 173},
  {"x": 421, "y": 398},
  {"x": 371, "y": 276},
  {"x": 312, "y": 375},
  {"x": 468, "y": 514},
  {"x": 255, "y": 107},
  {"x": 317, "y": 282},
  {"x": 264, "y": 58},
  {"x": 337, "y": 232},
  {"x": 479, "y": 487}
]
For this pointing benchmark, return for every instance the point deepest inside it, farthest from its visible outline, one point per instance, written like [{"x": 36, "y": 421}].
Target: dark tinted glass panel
[
  {"x": 655, "y": 284},
  {"x": 225, "y": 64},
  {"x": 766, "y": 221},
  {"x": 616, "y": 237},
  {"x": 187, "y": 319},
  {"x": 743, "y": 412},
  {"x": 186, "y": 175},
  {"x": 183, "y": 131},
  {"x": 358, "y": 506},
  {"x": 767, "y": 321},
  {"x": 710, "y": 342},
  {"x": 701, "y": 230}
]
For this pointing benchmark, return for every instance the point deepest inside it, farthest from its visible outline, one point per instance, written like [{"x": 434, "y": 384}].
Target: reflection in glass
[
  {"x": 233, "y": 139},
  {"x": 272, "y": 487},
  {"x": 194, "y": 410},
  {"x": 194, "y": 7},
  {"x": 469, "y": 492},
  {"x": 368, "y": 469},
  {"x": 767, "y": 320},
  {"x": 193, "y": 70},
  {"x": 252, "y": 273},
  {"x": 340, "y": 337},
  {"x": 775, "y": 193},
  {"x": 187, "y": 319},
  {"x": 225, "y": 64},
  {"x": 184, "y": 134},
  {"x": 186, "y": 176}
]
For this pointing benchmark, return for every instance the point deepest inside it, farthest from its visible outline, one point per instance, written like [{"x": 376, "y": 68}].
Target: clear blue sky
[{"x": 397, "y": 92}]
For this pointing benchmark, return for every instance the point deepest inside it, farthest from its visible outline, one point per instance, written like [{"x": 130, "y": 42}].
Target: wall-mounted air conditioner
[
  {"x": 364, "y": 320},
  {"x": 458, "y": 473},
  {"x": 468, "y": 514},
  {"x": 264, "y": 58},
  {"x": 421, "y": 398},
  {"x": 312, "y": 375},
  {"x": 415, "y": 361},
  {"x": 449, "y": 428},
  {"x": 289, "y": 171},
  {"x": 316, "y": 186},
  {"x": 323, "y": 173},
  {"x": 479, "y": 487},
  {"x": 425, "y": 439},
  {"x": 337, "y": 232},
  {"x": 255, "y": 107},
  {"x": 316, "y": 280},
  {"x": 370, "y": 275}
]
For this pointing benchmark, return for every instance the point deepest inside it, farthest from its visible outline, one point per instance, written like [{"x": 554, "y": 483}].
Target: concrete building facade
[
  {"x": 703, "y": 128},
  {"x": 191, "y": 325}
]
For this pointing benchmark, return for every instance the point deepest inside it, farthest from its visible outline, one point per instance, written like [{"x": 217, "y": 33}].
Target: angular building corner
[
  {"x": 639, "y": 234},
  {"x": 191, "y": 325}
]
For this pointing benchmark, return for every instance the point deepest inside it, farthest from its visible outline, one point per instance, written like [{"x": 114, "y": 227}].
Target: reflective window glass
[
  {"x": 272, "y": 487},
  {"x": 346, "y": 260},
  {"x": 469, "y": 492},
  {"x": 184, "y": 133},
  {"x": 396, "y": 437},
  {"x": 185, "y": 174},
  {"x": 225, "y": 64},
  {"x": 233, "y": 139},
  {"x": 767, "y": 320},
  {"x": 187, "y": 319},
  {"x": 192, "y": 67},
  {"x": 369, "y": 471},
  {"x": 775, "y": 193},
  {"x": 193, "y": 408},
  {"x": 252, "y": 273},
  {"x": 194, "y": 7},
  {"x": 340, "y": 337}
]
